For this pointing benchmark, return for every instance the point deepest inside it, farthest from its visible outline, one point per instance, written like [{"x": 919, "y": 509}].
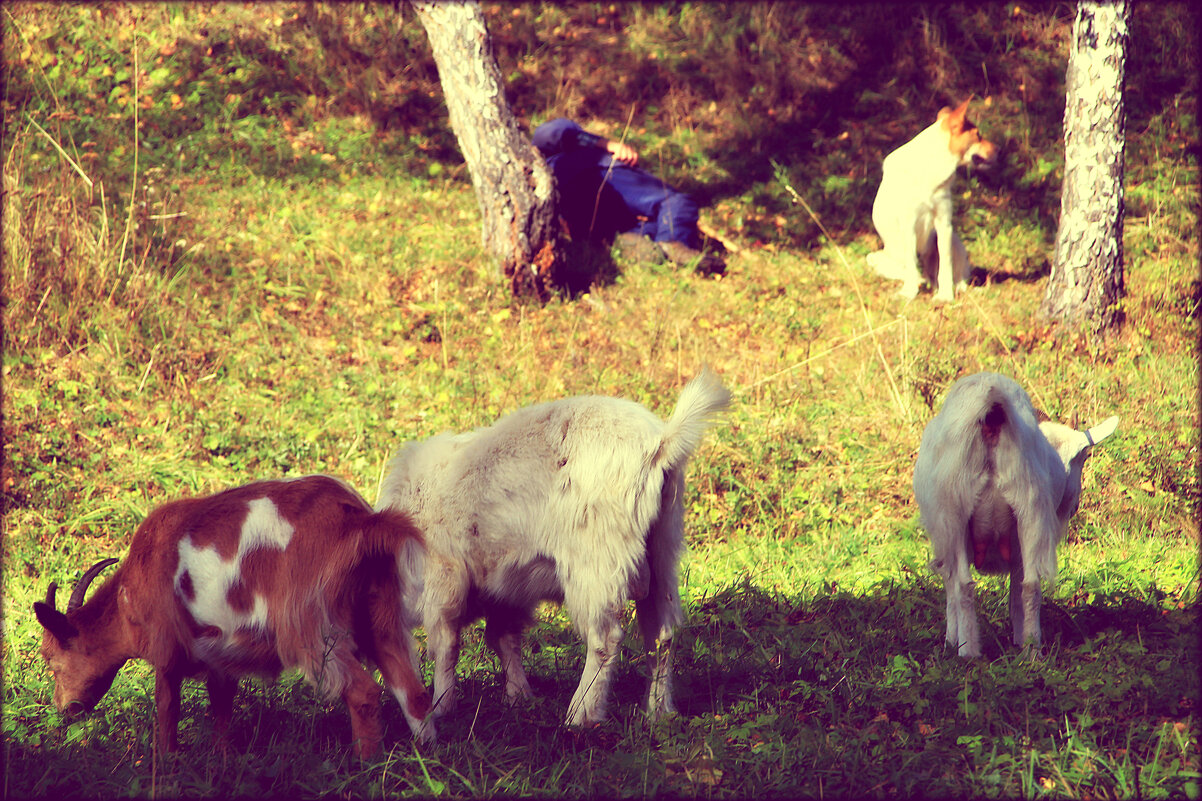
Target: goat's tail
[
  {"x": 387, "y": 531},
  {"x": 700, "y": 402},
  {"x": 392, "y": 533},
  {"x": 985, "y": 407},
  {"x": 988, "y": 417},
  {"x": 985, "y": 425},
  {"x": 366, "y": 536}
]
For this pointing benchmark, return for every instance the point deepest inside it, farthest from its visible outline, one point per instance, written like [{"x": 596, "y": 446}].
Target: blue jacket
[{"x": 600, "y": 197}]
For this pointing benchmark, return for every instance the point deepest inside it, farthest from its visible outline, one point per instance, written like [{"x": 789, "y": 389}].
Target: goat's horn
[
  {"x": 77, "y": 594},
  {"x": 50, "y": 591}
]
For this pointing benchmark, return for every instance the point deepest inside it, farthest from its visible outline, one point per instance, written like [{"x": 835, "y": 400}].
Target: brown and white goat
[{"x": 254, "y": 580}]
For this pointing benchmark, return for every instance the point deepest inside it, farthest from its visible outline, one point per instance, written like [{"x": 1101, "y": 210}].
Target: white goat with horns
[
  {"x": 995, "y": 488},
  {"x": 578, "y": 501}
]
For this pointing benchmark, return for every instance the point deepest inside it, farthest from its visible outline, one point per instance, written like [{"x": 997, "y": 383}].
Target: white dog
[
  {"x": 913, "y": 207},
  {"x": 995, "y": 489}
]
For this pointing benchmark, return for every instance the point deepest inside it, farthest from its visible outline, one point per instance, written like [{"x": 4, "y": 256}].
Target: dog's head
[{"x": 964, "y": 139}]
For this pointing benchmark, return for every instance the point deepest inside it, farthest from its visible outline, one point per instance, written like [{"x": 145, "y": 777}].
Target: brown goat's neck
[{"x": 100, "y": 619}]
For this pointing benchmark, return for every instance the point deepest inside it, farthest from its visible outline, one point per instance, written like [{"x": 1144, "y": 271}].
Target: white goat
[
  {"x": 996, "y": 488},
  {"x": 578, "y": 501}
]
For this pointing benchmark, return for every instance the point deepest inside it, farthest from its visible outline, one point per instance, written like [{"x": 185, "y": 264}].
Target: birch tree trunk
[
  {"x": 1086, "y": 280},
  {"x": 513, "y": 184}
]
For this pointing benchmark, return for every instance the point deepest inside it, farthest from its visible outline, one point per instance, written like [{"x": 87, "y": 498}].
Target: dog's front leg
[
  {"x": 960, "y": 264},
  {"x": 907, "y": 264},
  {"x": 945, "y": 235}
]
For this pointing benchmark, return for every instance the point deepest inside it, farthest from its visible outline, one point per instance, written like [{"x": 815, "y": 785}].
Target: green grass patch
[{"x": 290, "y": 280}]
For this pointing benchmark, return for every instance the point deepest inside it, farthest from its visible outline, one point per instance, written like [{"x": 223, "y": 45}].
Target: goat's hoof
[
  {"x": 579, "y": 720},
  {"x": 662, "y": 714},
  {"x": 584, "y": 725},
  {"x": 513, "y": 699},
  {"x": 443, "y": 707},
  {"x": 425, "y": 732},
  {"x": 1031, "y": 652},
  {"x": 222, "y": 747},
  {"x": 517, "y": 689}
]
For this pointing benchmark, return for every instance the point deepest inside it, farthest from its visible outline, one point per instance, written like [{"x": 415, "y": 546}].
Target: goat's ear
[
  {"x": 1068, "y": 442},
  {"x": 55, "y": 622},
  {"x": 1102, "y": 430}
]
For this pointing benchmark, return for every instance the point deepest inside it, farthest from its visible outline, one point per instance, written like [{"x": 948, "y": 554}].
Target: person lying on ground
[{"x": 603, "y": 195}]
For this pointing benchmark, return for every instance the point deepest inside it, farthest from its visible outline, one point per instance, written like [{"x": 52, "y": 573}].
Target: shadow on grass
[
  {"x": 846, "y": 656},
  {"x": 744, "y": 638},
  {"x": 589, "y": 264},
  {"x": 840, "y": 693},
  {"x": 855, "y": 691}
]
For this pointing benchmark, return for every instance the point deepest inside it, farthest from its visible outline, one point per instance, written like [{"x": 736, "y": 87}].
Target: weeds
[{"x": 288, "y": 279}]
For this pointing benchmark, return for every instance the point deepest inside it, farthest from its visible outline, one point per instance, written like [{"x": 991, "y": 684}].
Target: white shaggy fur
[
  {"x": 578, "y": 501},
  {"x": 995, "y": 490}
]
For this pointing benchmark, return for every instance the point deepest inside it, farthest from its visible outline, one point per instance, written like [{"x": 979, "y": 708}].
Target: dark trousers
[{"x": 600, "y": 198}]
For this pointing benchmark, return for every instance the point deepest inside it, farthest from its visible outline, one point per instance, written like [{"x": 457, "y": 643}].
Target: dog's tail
[{"x": 700, "y": 402}]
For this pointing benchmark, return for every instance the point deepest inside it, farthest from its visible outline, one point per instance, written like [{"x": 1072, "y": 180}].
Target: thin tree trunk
[
  {"x": 1086, "y": 281},
  {"x": 513, "y": 185}
]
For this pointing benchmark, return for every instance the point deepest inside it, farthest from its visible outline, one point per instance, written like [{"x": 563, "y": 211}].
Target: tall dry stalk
[
  {"x": 895, "y": 393},
  {"x": 128, "y": 234}
]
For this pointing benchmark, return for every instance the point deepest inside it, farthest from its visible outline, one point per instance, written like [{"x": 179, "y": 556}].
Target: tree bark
[
  {"x": 1086, "y": 280},
  {"x": 513, "y": 184}
]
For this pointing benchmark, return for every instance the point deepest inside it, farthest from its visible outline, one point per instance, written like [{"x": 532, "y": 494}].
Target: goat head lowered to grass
[
  {"x": 260, "y": 578},
  {"x": 995, "y": 488}
]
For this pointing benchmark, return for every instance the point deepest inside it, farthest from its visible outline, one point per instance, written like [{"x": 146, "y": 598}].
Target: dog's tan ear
[
  {"x": 957, "y": 118},
  {"x": 953, "y": 118}
]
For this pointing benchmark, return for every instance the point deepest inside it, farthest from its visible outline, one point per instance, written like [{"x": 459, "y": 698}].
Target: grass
[{"x": 302, "y": 289}]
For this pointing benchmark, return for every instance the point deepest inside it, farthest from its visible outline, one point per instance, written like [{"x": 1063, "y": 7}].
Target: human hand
[{"x": 622, "y": 152}]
